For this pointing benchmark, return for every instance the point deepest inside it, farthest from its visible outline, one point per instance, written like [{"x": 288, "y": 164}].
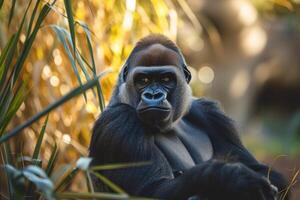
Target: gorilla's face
[{"x": 156, "y": 87}]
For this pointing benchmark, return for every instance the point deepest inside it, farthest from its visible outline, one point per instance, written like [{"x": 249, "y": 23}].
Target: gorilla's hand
[{"x": 234, "y": 181}]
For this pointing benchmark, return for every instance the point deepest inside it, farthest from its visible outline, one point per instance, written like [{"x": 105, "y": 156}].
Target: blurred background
[{"x": 243, "y": 53}]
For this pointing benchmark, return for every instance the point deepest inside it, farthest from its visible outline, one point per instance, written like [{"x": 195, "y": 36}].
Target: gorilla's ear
[
  {"x": 124, "y": 72},
  {"x": 187, "y": 73}
]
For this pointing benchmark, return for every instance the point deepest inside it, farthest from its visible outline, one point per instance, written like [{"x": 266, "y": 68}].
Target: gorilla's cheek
[
  {"x": 181, "y": 103},
  {"x": 124, "y": 91}
]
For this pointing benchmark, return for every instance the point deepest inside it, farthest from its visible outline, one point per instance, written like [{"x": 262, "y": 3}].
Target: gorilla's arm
[
  {"x": 225, "y": 140},
  {"x": 118, "y": 137}
]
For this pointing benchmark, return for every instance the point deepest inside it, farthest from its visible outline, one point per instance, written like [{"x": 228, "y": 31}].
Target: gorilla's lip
[{"x": 154, "y": 108}]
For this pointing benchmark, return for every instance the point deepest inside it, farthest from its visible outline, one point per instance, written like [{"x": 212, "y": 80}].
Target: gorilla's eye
[
  {"x": 166, "y": 79},
  {"x": 144, "y": 80},
  {"x": 141, "y": 80}
]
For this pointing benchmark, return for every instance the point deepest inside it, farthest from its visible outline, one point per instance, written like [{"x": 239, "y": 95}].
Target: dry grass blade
[
  {"x": 120, "y": 165},
  {"x": 96, "y": 195},
  {"x": 110, "y": 184},
  {"x": 70, "y": 95},
  {"x": 68, "y": 6}
]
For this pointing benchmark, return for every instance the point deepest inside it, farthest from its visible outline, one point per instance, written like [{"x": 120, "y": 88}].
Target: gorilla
[{"x": 193, "y": 147}]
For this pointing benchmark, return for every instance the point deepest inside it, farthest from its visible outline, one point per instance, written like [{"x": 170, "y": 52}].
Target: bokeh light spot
[
  {"x": 206, "y": 74},
  {"x": 239, "y": 84},
  {"x": 54, "y": 81},
  {"x": 46, "y": 72},
  {"x": 253, "y": 40},
  {"x": 66, "y": 138}
]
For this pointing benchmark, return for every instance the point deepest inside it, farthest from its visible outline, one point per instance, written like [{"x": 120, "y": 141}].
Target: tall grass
[{"x": 33, "y": 30}]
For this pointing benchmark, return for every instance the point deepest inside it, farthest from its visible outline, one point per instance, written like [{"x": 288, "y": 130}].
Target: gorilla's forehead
[{"x": 156, "y": 55}]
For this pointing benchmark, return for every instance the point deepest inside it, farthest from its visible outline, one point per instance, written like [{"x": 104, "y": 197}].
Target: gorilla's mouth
[
  {"x": 154, "y": 114},
  {"x": 154, "y": 108}
]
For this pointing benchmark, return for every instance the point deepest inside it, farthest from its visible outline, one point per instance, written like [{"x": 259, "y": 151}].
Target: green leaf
[
  {"x": 66, "y": 180},
  {"x": 62, "y": 35},
  {"x": 89, "y": 182},
  {"x": 29, "y": 41},
  {"x": 88, "y": 39},
  {"x": 11, "y": 106},
  {"x": 97, "y": 195},
  {"x": 35, "y": 170},
  {"x": 16, "y": 181},
  {"x": 35, "y": 175},
  {"x": 12, "y": 10},
  {"x": 10, "y": 57},
  {"x": 52, "y": 160},
  {"x": 120, "y": 165},
  {"x": 83, "y": 163},
  {"x": 39, "y": 178},
  {"x": 8, "y": 160},
  {"x": 109, "y": 183},
  {"x": 1, "y": 3},
  {"x": 70, "y": 95},
  {"x": 68, "y": 6},
  {"x": 4, "y": 53},
  {"x": 37, "y": 3},
  {"x": 38, "y": 145}
]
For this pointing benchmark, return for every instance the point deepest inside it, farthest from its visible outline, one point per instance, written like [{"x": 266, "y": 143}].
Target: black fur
[{"x": 232, "y": 172}]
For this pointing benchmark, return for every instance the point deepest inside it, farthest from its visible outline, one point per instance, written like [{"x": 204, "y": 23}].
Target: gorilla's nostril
[
  {"x": 148, "y": 95},
  {"x": 158, "y": 95}
]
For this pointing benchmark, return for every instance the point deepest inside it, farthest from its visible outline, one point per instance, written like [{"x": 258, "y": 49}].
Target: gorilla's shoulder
[
  {"x": 207, "y": 114},
  {"x": 205, "y": 106},
  {"x": 114, "y": 123}
]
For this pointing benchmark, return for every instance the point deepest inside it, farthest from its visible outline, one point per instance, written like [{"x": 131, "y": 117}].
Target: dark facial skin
[{"x": 154, "y": 86}]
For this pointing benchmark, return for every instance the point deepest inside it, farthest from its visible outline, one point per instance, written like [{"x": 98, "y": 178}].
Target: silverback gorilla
[{"x": 193, "y": 147}]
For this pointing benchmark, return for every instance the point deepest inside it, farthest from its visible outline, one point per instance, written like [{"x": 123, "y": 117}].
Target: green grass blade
[
  {"x": 33, "y": 14},
  {"x": 79, "y": 57},
  {"x": 11, "y": 53},
  {"x": 3, "y": 57},
  {"x": 11, "y": 106},
  {"x": 99, "y": 89},
  {"x": 68, "y": 6},
  {"x": 29, "y": 41},
  {"x": 67, "y": 179},
  {"x": 6, "y": 49},
  {"x": 8, "y": 160},
  {"x": 85, "y": 62},
  {"x": 96, "y": 195},
  {"x": 62, "y": 35},
  {"x": 5, "y": 101},
  {"x": 1, "y": 3},
  {"x": 52, "y": 160},
  {"x": 120, "y": 165},
  {"x": 38, "y": 145},
  {"x": 11, "y": 12},
  {"x": 109, "y": 183},
  {"x": 89, "y": 43},
  {"x": 89, "y": 182},
  {"x": 71, "y": 94}
]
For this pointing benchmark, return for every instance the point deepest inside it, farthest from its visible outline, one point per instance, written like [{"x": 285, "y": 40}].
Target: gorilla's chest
[{"x": 185, "y": 146}]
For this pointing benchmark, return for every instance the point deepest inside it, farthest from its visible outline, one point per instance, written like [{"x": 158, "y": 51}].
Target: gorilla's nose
[{"x": 153, "y": 97}]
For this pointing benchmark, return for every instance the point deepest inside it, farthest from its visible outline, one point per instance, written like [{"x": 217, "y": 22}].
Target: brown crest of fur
[
  {"x": 156, "y": 39},
  {"x": 155, "y": 50}
]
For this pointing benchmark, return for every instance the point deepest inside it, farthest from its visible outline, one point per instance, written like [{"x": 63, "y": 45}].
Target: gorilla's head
[{"x": 154, "y": 80}]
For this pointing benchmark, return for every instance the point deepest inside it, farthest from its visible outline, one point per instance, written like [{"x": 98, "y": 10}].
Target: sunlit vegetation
[
  {"x": 52, "y": 54},
  {"x": 58, "y": 64}
]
